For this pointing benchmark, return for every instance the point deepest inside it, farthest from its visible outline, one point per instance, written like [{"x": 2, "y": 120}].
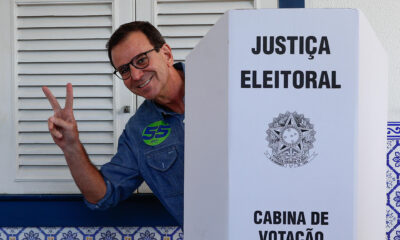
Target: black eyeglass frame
[{"x": 131, "y": 62}]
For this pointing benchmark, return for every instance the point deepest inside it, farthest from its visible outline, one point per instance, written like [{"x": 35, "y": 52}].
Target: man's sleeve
[{"x": 121, "y": 174}]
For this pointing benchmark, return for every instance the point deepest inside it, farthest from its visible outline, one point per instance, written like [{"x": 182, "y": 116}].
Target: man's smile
[{"x": 145, "y": 83}]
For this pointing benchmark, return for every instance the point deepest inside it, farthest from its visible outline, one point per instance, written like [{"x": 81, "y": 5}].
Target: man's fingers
[
  {"x": 50, "y": 124},
  {"x": 70, "y": 97},
  {"x": 53, "y": 130},
  {"x": 53, "y": 101},
  {"x": 60, "y": 122}
]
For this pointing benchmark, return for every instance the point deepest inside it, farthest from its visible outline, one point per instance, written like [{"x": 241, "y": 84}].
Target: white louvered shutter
[
  {"x": 57, "y": 43},
  {"x": 183, "y": 23}
]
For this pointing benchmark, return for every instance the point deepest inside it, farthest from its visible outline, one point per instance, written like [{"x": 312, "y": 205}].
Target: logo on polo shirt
[{"x": 156, "y": 133}]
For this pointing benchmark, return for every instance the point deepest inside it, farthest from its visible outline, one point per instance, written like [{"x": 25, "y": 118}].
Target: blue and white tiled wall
[
  {"x": 92, "y": 233},
  {"x": 393, "y": 181}
]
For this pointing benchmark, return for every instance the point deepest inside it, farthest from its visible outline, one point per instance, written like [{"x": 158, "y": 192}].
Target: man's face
[{"x": 152, "y": 81}]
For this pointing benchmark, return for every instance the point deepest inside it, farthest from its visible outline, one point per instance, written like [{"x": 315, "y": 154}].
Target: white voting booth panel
[{"x": 285, "y": 128}]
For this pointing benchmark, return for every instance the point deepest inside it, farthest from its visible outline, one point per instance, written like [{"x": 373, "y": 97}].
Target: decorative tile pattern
[
  {"x": 96, "y": 233},
  {"x": 69, "y": 234},
  {"x": 392, "y": 181}
]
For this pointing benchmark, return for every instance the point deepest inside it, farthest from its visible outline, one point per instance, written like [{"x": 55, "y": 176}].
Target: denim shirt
[{"x": 151, "y": 148}]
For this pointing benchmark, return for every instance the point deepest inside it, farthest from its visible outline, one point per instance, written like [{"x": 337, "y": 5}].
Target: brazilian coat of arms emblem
[{"x": 290, "y": 137}]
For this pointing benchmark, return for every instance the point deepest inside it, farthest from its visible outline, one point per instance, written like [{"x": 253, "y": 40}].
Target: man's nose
[{"x": 136, "y": 74}]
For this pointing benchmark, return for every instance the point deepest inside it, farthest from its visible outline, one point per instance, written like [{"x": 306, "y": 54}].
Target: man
[{"x": 151, "y": 146}]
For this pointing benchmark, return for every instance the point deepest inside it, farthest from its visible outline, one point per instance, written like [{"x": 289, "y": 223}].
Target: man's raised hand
[
  {"x": 63, "y": 129},
  {"x": 62, "y": 124}
]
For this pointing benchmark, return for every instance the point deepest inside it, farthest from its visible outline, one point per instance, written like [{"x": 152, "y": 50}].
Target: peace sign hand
[{"x": 62, "y": 125}]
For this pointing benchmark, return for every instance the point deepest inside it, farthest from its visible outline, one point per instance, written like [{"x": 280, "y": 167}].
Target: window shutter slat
[
  {"x": 64, "y": 33},
  {"x": 79, "y": 103},
  {"x": 61, "y": 44},
  {"x": 65, "y": 68},
  {"x": 54, "y": 149},
  {"x": 46, "y": 56},
  {"x": 188, "y": 19},
  {"x": 59, "y": 21},
  {"x": 85, "y": 137},
  {"x": 83, "y": 126},
  {"x": 182, "y": 42},
  {"x": 64, "y": 9},
  {"x": 81, "y": 91},
  {"x": 62, "y": 79},
  {"x": 58, "y": 159},
  {"x": 184, "y": 31},
  {"x": 205, "y": 7},
  {"x": 39, "y": 115}
]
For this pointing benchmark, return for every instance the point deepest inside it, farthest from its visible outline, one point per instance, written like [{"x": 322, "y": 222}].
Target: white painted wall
[{"x": 384, "y": 17}]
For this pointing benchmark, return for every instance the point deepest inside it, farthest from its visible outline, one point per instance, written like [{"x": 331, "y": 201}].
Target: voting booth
[{"x": 285, "y": 128}]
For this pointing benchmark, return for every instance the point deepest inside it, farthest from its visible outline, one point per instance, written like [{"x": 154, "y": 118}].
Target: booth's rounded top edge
[
  {"x": 355, "y": 11},
  {"x": 295, "y": 9}
]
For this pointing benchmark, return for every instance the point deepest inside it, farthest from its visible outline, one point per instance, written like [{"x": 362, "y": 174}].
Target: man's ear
[{"x": 167, "y": 54}]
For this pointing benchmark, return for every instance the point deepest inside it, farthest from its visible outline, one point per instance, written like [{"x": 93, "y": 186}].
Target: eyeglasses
[{"x": 139, "y": 61}]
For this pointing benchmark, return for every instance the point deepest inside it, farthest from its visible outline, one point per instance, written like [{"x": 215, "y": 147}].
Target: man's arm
[{"x": 64, "y": 131}]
